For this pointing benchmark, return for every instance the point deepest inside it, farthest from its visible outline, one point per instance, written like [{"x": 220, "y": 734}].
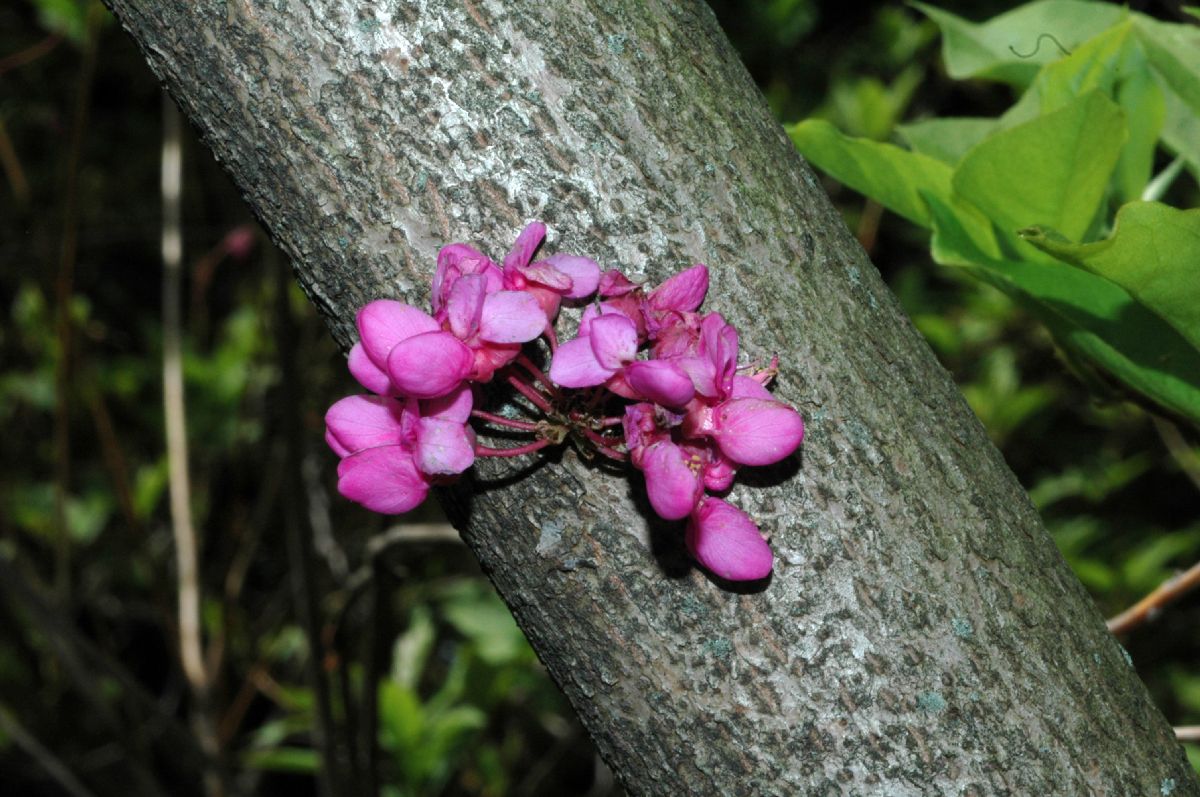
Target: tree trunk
[{"x": 920, "y": 635}]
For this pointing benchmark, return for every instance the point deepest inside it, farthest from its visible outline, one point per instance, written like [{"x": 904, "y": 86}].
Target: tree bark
[{"x": 920, "y": 635}]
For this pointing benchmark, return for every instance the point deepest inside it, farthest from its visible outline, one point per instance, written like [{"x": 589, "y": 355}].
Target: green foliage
[
  {"x": 1009, "y": 48},
  {"x": 460, "y": 660},
  {"x": 1151, "y": 254},
  {"x": 1082, "y": 136}
]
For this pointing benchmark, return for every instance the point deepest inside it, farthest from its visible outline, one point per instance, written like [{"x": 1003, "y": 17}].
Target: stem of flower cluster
[
  {"x": 603, "y": 445},
  {"x": 528, "y": 392},
  {"x": 500, "y": 420},
  {"x": 537, "y": 374},
  {"x": 528, "y": 448}
]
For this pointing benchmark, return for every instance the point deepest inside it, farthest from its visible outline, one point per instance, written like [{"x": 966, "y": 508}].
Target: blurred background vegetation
[{"x": 401, "y": 636}]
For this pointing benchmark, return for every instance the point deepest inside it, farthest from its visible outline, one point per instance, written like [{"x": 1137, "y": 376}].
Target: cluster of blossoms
[{"x": 694, "y": 416}]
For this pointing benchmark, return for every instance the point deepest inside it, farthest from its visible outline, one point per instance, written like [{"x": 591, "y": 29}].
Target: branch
[
  {"x": 1148, "y": 607},
  {"x": 55, "y": 768},
  {"x": 191, "y": 645}
]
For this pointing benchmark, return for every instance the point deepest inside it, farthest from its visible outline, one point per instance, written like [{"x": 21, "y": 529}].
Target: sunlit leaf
[
  {"x": 1089, "y": 316},
  {"x": 1013, "y": 46},
  {"x": 947, "y": 139},
  {"x": 1052, "y": 171},
  {"x": 1153, "y": 253}
]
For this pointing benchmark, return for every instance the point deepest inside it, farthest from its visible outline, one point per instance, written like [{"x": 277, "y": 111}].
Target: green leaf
[
  {"x": 401, "y": 717},
  {"x": 1093, "y": 319},
  {"x": 1052, "y": 171},
  {"x": 867, "y": 107},
  {"x": 300, "y": 760},
  {"x": 947, "y": 139},
  {"x": 1013, "y": 46},
  {"x": 1153, "y": 253},
  {"x": 1115, "y": 63},
  {"x": 490, "y": 626},
  {"x": 1181, "y": 131},
  {"x": 1097, "y": 64},
  {"x": 413, "y": 647},
  {"x": 891, "y": 176},
  {"x": 65, "y": 17},
  {"x": 1172, "y": 52}
]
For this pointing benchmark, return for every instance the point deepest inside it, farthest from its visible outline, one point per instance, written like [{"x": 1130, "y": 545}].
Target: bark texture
[{"x": 921, "y": 635}]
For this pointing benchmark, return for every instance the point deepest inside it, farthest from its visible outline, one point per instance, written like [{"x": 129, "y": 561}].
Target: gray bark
[{"x": 920, "y": 635}]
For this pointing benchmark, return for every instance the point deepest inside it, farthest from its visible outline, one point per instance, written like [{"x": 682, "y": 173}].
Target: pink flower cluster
[{"x": 695, "y": 416}]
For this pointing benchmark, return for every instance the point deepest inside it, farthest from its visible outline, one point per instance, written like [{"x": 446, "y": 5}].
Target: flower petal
[
  {"x": 726, "y": 541},
  {"x": 511, "y": 317},
  {"x": 358, "y": 422},
  {"x": 490, "y": 357},
  {"x": 583, "y": 271},
  {"x": 745, "y": 387},
  {"x": 719, "y": 474},
  {"x": 368, "y": 374},
  {"x": 702, "y": 373},
  {"x": 757, "y": 431},
  {"x": 429, "y": 365},
  {"x": 457, "y": 260},
  {"x": 660, "y": 381},
  {"x": 719, "y": 342},
  {"x": 574, "y": 365},
  {"x": 614, "y": 340},
  {"x": 527, "y": 243},
  {"x": 614, "y": 283},
  {"x": 684, "y": 291},
  {"x": 443, "y": 447},
  {"x": 385, "y": 322},
  {"x": 454, "y": 406},
  {"x": 464, "y": 308},
  {"x": 382, "y": 479},
  {"x": 545, "y": 274},
  {"x": 673, "y": 487}
]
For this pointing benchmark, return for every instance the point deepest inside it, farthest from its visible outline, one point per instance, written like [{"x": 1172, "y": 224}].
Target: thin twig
[
  {"x": 114, "y": 460},
  {"x": 55, "y": 768},
  {"x": 84, "y": 663},
  {"x": 377, "y": 624},
  {"x": 1184, "y": 455},
  {"x": 30, "y": 54},
  {"x": 11, "y": 164},
  {"x": 1188, "y": 733},
  {"x": 1148, "y": 607},
  {"x": 63, "y": 290},
  {"x": 868, "y": 225},
  {"x": 187, "y": 553},
  {"x": 298, "y": 549}
]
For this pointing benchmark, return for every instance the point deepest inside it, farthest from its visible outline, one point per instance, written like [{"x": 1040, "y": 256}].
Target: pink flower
[
  {"x": 403, "y": 351},
  {"x": 393, "y": 450},
  {"x": 672, "y": 479},
  {"x": 696, "y": 420},
  {"x": 607, "y": 341},
  {"x": 560, "y": 276},
  {"x": 726, "y": 541}
]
